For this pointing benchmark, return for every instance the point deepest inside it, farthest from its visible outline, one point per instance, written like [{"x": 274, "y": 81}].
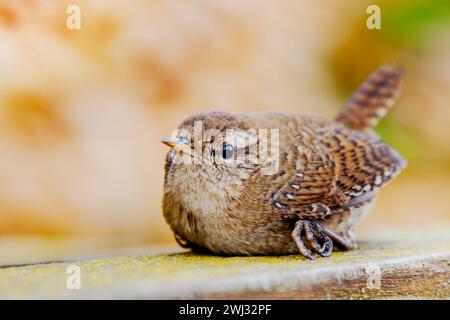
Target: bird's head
[{"x": 212, "y": 155}]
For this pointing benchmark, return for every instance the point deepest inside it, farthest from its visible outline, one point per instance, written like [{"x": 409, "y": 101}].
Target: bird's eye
[{"x": 227, "y": 151}]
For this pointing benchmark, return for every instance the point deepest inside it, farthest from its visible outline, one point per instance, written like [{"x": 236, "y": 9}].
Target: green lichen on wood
[{"x": 407, "y": 269}]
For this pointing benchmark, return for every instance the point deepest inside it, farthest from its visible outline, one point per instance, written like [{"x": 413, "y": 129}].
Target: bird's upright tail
[{"x": 372, "y": 99}]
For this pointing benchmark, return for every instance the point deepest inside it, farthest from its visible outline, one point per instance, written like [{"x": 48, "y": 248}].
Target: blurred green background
[{"x": 82, "y": 111}]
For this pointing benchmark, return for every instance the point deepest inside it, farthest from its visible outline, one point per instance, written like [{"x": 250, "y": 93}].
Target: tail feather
[{"x": 373, "y": 99}]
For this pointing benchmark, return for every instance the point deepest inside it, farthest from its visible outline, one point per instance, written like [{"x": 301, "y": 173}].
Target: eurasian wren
[{"x": 326, "y": 178}]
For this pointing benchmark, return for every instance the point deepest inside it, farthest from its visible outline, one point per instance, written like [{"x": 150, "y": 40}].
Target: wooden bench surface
[{"x": 386, "y": 266}]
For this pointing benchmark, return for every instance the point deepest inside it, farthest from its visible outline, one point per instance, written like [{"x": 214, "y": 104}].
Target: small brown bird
[{"x": 319, "y": 180}]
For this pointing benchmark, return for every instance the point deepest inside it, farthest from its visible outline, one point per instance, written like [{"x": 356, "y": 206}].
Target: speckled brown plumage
[
  {"x": 327, "y": 178},
  {"x": 373, "y": 99}
]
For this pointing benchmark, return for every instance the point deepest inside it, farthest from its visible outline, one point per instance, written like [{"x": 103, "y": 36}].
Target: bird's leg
[
  {"x": 343, "y": 242},
  {"x": 315, "y": 235},
  {"x": 297, "y": 234},
  {"x": 309, "y": 235}
]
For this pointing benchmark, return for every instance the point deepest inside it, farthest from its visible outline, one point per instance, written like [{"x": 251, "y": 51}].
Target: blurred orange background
[{"x": 82, "y": 111}]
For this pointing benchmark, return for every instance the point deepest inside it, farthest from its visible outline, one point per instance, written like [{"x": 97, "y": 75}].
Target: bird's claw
[{"x": 311, "y": 239}]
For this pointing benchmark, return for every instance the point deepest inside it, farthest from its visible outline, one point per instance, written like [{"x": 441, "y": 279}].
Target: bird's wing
[
  {"x": 311, "y": 173},
  {"x": 341, "y": 168},
  {"x": 363, "y": 162}
]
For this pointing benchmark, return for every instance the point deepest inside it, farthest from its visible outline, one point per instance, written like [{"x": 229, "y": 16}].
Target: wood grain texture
[{"x": 410, "y": 267}]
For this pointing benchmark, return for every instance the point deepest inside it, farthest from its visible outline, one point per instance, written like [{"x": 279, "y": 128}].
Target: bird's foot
[
  {"x": 311, "y": 239},
  {"x": 183, "y": 243},
  {"x": 342, "y": 242}
]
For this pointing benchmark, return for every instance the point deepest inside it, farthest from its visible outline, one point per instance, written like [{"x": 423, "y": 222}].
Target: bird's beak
[
  {"x": 177, "y": 144},
  {"x": 171, "y": 142}
]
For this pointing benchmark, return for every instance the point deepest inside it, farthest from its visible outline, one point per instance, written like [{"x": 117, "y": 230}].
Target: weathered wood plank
[{"x": 384, "y": 267}]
